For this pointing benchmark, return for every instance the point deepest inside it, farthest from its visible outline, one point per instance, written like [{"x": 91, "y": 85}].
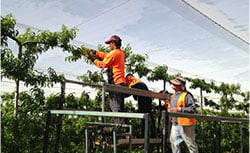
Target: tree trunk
[
  {"x": 164, "y": 85},
  {"x": 16, "y": 98},
  {"x": 16, "y": 131},
  {"x": 59, "y": 124}
]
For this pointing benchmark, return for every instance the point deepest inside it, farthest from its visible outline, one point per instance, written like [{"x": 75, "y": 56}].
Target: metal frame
[
  {"x": 221, "y": 119},
  {"x": 138, "y": 92},
  {"x": 114, "y": 133},
  {"x": 108, "y": 114}
]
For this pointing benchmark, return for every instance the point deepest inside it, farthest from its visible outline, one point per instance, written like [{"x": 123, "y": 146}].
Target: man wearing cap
[
  {"x": 114, "y": 61},
  {"x": 183, "y": 129}
]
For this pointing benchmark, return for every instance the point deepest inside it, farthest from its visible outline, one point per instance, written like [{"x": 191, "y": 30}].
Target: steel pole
[
  {"x": 146, "y": 134},
  {"x": 103, "y": 98},
  {"x": 164, "y": 137},
  {"x": 241, "y": 138}
]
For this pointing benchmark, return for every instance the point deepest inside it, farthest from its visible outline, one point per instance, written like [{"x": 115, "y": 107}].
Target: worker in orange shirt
[
  {"x": 114, "y": 61},
  {"x": 144, "y": 103}
]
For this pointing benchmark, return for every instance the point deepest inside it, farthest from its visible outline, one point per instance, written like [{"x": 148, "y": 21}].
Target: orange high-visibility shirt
[
  {"x": 115, "y": 61},
  {"x": 131, "y": 80}
]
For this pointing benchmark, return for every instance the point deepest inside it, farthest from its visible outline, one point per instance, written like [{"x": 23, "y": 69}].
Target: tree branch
[
  {"x": 15, "y": 39},
  {"x": 33, "y": 42}
]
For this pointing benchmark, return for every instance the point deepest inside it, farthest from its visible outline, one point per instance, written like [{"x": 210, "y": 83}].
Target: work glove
[
  {"x": 90, "y": 57},
  {"x": 92, "y": 51}
]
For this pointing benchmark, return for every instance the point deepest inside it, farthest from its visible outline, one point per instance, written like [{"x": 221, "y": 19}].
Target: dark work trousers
[
  {"x": 116, "y": 104},
  {"x": 145, "y": 106}
]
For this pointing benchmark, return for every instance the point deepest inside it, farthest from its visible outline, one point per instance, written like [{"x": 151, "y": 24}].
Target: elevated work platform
[{"x": 147, "y": 141}]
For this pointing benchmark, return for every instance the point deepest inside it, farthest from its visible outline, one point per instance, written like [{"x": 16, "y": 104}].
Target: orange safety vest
[
  {"x": 113, "y": 60},
  {"x": 181, "y": 103}
]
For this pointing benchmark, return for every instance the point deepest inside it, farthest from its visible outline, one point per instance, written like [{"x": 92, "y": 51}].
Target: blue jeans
[{"x": 183, "y": 133}]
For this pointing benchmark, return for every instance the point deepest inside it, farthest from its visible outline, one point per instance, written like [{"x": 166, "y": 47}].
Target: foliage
[
  {"x": 78, "y": 53},
  {"x": 212, "y": 135},
  {"x": 30, "y": 44},
  {"x": 7, "y": 29},
  {"x": 159, "y": 73},
  {"x": 228, "y": 91},
  {"x": 20, "y": 67},
  {"x": 200, "y": 83},
  {"x": 137, "y": 65},
  {"x": 31, "y": 117},
  {"x": 92, "y": 77},
  {"x": 127, "y": 51},
  {"x": 244, "y": 105}
]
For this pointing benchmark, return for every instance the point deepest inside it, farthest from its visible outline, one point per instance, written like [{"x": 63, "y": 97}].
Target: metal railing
[
  {"x": 166, "y": 115},
  {"x": 105, "y": 88},
  {"x": 120, "y": 89},
  {"x": 114, "y": 88},
  {"x": 110, "y": 114}
]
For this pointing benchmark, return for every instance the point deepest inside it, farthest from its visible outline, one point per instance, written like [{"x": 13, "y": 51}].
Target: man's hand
[
  {"x": 90, "y": 57},
  {"x": 174, "y": 109}
]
